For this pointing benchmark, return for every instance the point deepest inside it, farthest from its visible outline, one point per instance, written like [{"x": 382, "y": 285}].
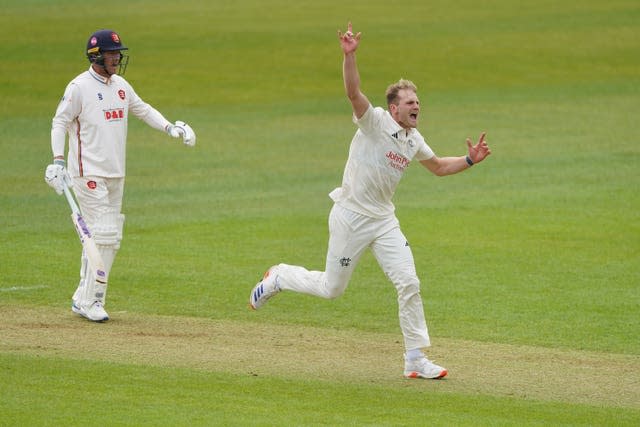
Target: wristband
[
  {"x": 60, "y": 162},
  {"x": 469, "y": 161}
]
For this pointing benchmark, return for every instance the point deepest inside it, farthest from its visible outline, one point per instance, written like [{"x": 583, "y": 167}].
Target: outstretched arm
[
  {"x": 442, "y": 166},
  {"x": 349, "y": 43}
]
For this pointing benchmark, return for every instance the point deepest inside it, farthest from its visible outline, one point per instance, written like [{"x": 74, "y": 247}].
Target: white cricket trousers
[
  {"x": 350, "y": 233},
  {"x": 100, "y": 201}
]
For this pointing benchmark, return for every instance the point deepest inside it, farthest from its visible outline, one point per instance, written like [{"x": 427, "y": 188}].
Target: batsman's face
[
  {"x": 112, "y": 61},
  {"x": 407, "y": 110}
]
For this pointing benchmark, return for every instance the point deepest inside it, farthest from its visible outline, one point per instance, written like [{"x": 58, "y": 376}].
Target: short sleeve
[
  {"x": 370, "y": 120},
  {"x": 424, "y": 151}
]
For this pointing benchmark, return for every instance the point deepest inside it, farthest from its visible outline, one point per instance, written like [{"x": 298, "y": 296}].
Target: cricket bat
[{"x": 86, "y": 238}]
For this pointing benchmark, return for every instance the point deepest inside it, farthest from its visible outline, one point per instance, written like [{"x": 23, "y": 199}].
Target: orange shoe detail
[{"x": 442, "y": 374}]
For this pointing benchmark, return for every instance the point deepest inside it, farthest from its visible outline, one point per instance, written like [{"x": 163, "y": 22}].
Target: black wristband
[{"x": 469, "y": 161}]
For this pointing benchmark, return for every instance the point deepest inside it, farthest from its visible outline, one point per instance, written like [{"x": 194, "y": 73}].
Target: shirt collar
[{"x": 98, "y": 77}]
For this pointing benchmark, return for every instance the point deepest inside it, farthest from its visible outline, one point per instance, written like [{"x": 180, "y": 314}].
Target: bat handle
[{"x": 70, "y": 199}]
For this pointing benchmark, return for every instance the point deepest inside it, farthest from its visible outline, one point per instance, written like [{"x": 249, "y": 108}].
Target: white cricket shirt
[
  {"x": 94, "y": 112},
  {"x": 380, "y": 152}
]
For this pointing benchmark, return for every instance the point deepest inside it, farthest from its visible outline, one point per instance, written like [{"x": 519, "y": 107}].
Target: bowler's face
[{"x": 408, "y": 108}]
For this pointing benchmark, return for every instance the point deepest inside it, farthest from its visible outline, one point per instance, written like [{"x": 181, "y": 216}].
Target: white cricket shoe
[
  {"x": 423, "y": 368},
  {"x": 94, "y": 311},
  {"x": 265, "y": 289}
]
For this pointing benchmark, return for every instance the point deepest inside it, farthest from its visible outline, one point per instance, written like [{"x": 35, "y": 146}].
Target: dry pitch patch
[{"x": 253, "y": 348}]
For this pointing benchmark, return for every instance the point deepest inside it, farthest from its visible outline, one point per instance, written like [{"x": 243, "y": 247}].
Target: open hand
[
  {"x": 349, "y": 41},
  {"x": 479, "y": 151}
]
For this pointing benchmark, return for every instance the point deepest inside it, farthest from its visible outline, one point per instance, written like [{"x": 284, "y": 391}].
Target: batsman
[{"x": 93, "y": 113}]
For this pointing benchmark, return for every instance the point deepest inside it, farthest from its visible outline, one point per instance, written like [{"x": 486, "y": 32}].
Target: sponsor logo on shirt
[
  {"x": 397, "y": 161},
  {"x": 116, "y": 114}
]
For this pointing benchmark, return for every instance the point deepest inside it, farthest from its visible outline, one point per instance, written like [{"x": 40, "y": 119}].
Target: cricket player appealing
[
  {"x": 363, "y": 213},
  {"x": 94, "y": 112}
]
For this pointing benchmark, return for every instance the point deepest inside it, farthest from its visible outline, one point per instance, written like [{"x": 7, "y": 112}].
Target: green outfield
[{"x": 530, "y": 262}]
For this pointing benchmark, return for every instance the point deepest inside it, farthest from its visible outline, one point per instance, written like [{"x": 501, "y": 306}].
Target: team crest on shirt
[{"x": 121, "y": 94}]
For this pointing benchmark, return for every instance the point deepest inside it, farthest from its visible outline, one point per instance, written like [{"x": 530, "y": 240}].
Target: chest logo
[
  {"x": 397, "y": 161},
  {"x": 121, "y": 94},
  {"x": 115, "y": 114}
]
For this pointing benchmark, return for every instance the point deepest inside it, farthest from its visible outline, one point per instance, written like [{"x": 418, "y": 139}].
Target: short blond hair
[{"x": 393, "y": 89}]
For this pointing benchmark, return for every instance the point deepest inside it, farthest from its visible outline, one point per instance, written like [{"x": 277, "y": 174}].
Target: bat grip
[{"x": 70, "y": 199}]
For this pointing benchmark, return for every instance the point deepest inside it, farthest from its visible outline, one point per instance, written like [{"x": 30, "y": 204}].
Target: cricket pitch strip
[{"x": 286, "y": 351}]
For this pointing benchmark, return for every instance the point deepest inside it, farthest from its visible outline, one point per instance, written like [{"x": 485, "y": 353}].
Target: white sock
[{"x": 414, "y": 354}]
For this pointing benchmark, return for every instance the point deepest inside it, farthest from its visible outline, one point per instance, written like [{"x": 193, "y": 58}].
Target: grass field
[{"x": 530, "y": 262}]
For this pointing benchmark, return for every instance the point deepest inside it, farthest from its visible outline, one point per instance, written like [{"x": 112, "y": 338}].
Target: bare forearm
[
  {"x": 452, "y": 165},
  {"x": 442, "y": 166},
  {"x": 351, "y": 76}
]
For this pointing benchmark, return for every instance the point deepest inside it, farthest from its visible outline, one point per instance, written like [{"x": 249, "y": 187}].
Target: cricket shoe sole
[{"x": 265, "y": 288}]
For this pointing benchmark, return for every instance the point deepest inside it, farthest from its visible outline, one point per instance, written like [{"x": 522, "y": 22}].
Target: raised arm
[
  {"x": 442, "y": 166},
  {"x": 349, "y": 43}
]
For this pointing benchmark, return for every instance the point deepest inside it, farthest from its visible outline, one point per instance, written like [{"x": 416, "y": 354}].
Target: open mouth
[{"x": 414, "y": 116}]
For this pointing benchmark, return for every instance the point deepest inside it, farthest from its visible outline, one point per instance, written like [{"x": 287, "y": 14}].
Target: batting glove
[
  {"x": 181, "y": 129},
  {"x": 56, "y": 176}
]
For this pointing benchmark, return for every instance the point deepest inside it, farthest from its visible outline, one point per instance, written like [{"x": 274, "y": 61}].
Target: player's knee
[
  {"x": 407, "y": 285},
  {"x": 333, "y": 290},
  {"x": 333, "y": 293}
]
